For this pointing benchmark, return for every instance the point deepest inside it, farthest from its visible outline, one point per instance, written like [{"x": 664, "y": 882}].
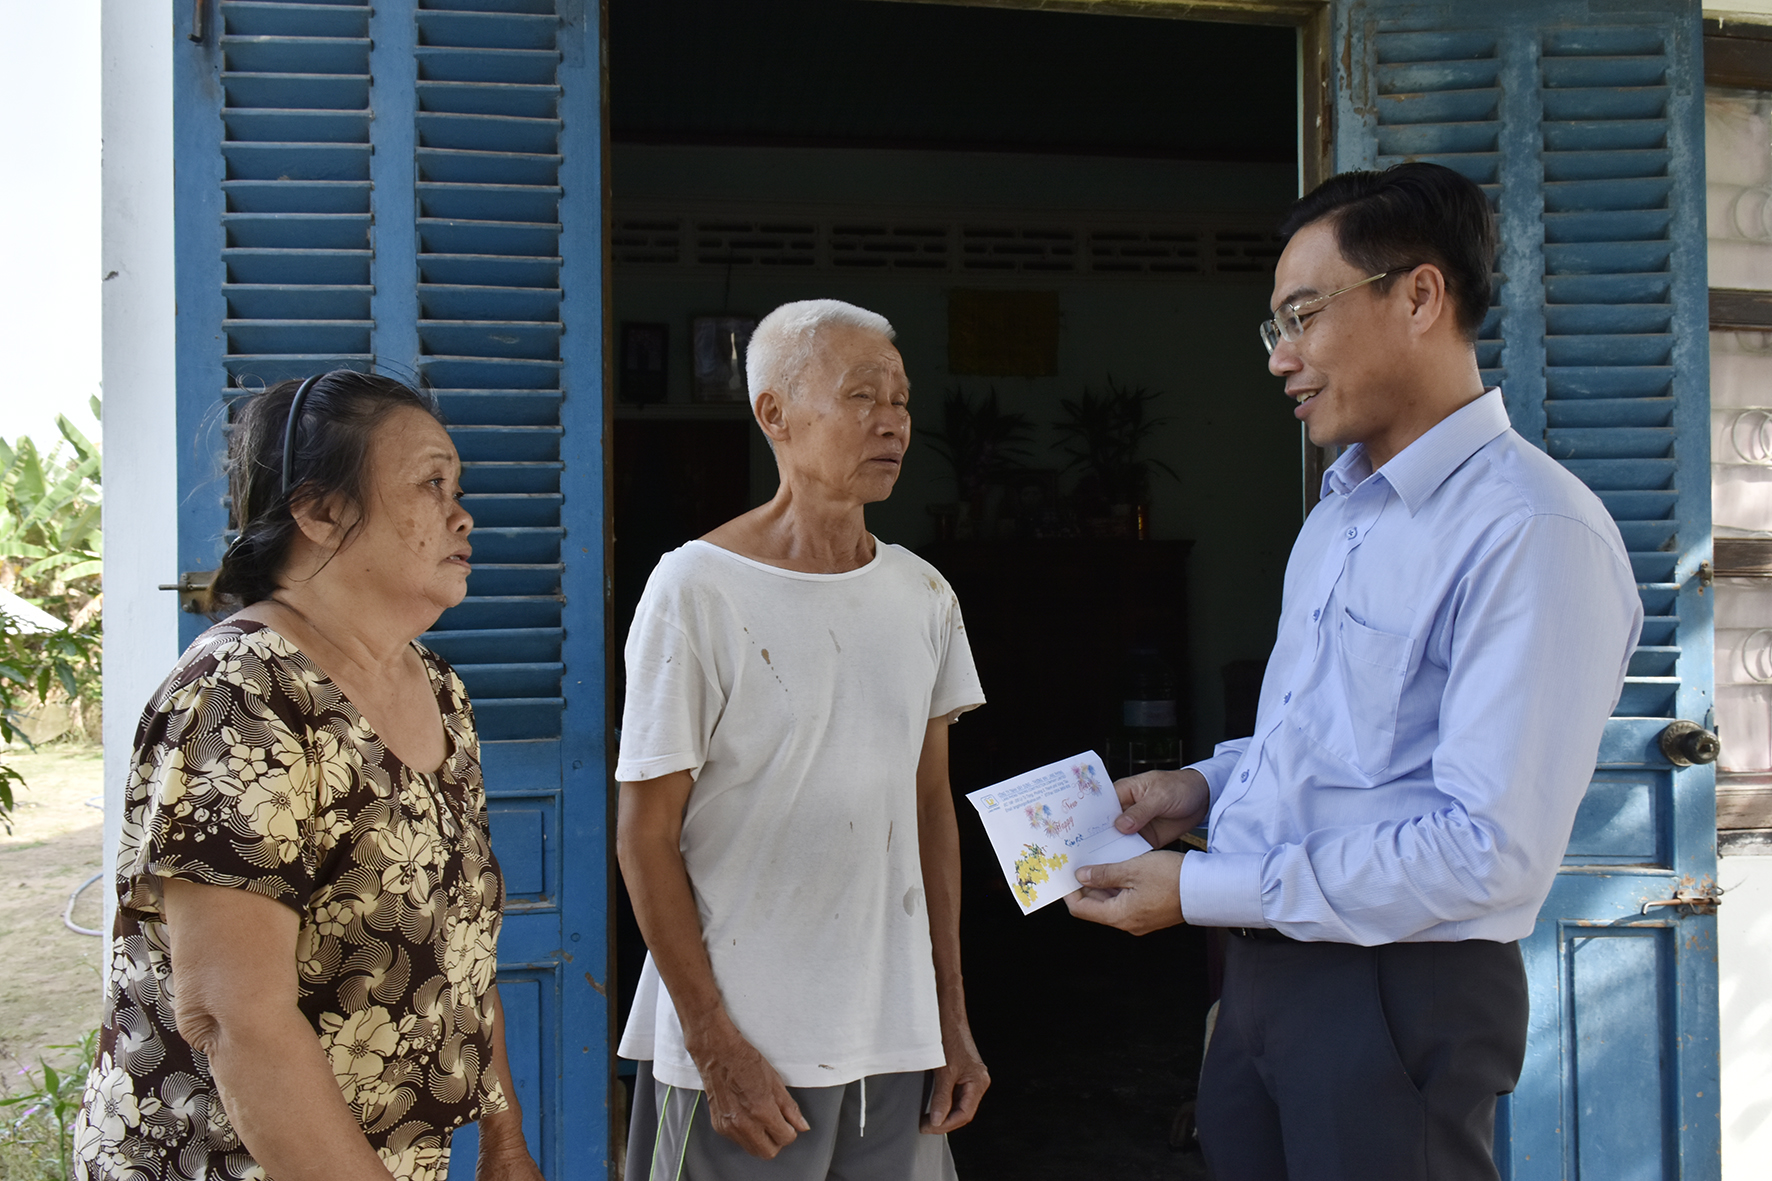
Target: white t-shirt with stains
[{"x": 799, "y": 702}]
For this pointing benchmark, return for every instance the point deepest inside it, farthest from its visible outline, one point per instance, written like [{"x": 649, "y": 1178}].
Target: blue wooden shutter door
[
  {"x": 417, "y": 185},
  {"x": 1583, "y": 122}
]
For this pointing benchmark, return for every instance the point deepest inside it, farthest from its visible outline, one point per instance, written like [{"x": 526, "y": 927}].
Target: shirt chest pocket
[{"x": 1353, "y": 712}]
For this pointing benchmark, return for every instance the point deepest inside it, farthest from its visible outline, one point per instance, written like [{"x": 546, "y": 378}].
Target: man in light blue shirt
[{"x": 1458, "y": 615}]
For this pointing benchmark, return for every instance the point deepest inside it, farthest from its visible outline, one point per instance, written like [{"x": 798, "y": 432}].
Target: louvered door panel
[
  {"x": 487, "y": 269},
  {"x": 385, "y": 187},
  {"x": 1609, "y": 345},
  {"x": 488, "y": 259},
  {"x": 1439, "y": 100},
  {"x": 274, "y": 224},
  {"x": 295, "y": 191},
  {"x": 1582, "y": 124}
]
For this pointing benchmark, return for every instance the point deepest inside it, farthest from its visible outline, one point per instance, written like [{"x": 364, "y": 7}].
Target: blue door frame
[
  {"x": 1584, "y": 122},
  {"x": 417, "y": 187}
]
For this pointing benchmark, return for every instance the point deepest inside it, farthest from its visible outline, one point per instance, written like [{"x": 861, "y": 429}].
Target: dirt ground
[{"x": 49, "y": 991}]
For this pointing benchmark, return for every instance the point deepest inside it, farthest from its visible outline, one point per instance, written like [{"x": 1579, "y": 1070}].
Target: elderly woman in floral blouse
[{"x": 301, "y": 975}]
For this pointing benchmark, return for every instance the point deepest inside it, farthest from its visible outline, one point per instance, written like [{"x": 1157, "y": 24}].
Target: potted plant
[
  {"x": 982, "y": 444},
  {"x": 1105, "y": 434}
]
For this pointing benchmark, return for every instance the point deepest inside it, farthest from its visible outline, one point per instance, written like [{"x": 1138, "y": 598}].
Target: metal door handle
[
  {"x": 1687, "y": 743},
  {"x": 196, "y": 33},
  {"x": 193, "y": 590},
  {"x": 1700, "y": 901}
]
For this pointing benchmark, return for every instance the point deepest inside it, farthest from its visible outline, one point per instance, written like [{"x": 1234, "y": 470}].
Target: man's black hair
[{"x": 1405, "y": 216}]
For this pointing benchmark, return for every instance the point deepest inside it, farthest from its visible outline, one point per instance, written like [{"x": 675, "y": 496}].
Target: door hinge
[
  {"x": 1707, "y": 574},
  {"x": 1702, "y": 900},
  {"x": 193, "y": 590}
]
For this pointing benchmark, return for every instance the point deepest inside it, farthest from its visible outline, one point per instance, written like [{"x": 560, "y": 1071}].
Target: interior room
[{"x": 1068, "y": 218}]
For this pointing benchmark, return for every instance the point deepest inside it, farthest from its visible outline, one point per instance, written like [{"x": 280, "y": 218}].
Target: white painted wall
[
  {"x": 141, "y": 624},
  {"x": 1744, "y": 962},
  {"x": 1738, "y": 143}
]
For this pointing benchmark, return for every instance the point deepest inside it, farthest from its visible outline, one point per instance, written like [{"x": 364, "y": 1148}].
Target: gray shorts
[{"x": 671, "y": 1139}]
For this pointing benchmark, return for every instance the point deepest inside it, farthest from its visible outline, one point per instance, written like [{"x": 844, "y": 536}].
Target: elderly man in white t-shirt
[{"x": 786, "y": 828}]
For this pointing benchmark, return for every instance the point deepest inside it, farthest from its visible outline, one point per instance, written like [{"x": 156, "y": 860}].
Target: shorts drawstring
[{"x": 864, "y": 1105}]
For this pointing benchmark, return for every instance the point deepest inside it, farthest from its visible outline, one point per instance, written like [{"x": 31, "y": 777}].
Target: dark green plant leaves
[
  {"x": 1105, "y": 433},
  {"x": 979, "y": 440}
]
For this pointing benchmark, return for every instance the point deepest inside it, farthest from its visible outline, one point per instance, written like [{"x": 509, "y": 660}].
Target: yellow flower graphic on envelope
[{"x": 1034, "y": 866}]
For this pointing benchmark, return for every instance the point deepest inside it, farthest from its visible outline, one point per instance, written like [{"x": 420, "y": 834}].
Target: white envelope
[{"x": 1047, "y": 822}]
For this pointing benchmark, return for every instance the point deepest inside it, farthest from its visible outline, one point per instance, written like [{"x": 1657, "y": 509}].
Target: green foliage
[
  {"x": 978, "y": 440},
  {"x": 1104, "y": 434},
  {"x": 34, "y": 663},
  {"x": 50, "y": 540},
  {"x": 51, "y": 555},
  {"x": 41, "y": 660},
  {"x": 9, "y": 780},
  {"x": 36, "y": 1135}
]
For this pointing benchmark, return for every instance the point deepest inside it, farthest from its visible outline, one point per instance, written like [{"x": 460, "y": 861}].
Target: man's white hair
[{"x": 782, "y": 344}]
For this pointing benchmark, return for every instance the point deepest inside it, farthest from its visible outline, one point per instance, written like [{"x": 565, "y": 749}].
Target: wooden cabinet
[{"x": 1052, "y": 624}]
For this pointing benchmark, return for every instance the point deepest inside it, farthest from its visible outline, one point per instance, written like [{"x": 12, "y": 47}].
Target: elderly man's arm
[
  {"x": 962, "y": 1081},
  {"x": 747, "y": 1101},
  {"x": 234, "y": 994}
]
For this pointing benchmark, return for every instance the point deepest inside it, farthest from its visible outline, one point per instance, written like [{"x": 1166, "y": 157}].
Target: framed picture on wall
[
  {"x": 644, "y": 349},
  {"x": 1003, "y": 333},
  {"x": 717, "y": 347}
]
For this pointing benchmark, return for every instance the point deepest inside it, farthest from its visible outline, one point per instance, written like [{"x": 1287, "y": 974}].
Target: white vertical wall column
[
  {"x": 1738, "y": 166},
  {"x": 141, "y": 622}
]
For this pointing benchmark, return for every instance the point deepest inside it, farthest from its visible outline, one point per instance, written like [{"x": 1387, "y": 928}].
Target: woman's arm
[
  {"x": 961, "y": 1083},
  {"x": 234, "y": 998},
  {"x": 504, "y": 1156}
]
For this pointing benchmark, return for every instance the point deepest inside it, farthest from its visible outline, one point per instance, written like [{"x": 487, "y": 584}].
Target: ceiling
[{"x": 861, "y": 73}]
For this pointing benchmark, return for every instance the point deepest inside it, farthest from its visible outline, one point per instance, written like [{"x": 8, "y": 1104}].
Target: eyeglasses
[{"x": 1288, "y": 322}]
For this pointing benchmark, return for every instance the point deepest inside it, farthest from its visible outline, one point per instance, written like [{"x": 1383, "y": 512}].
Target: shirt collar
[{"x": 1420, "y": 468}]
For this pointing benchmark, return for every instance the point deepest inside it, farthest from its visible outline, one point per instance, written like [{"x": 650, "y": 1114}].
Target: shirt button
[
  {"x": 1245, "y": 778},
  {"x": 1287, "y": 700},
  {"x": 1317, "y": 614},
  {"x": 1352, "y": 533}
]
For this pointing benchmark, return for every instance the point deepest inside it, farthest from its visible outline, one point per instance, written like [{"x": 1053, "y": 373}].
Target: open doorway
[{"x": 1043, "y": 204}]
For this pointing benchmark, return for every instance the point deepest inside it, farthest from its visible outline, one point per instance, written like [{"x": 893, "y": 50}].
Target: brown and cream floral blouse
[{"x": 252, "y": 771}]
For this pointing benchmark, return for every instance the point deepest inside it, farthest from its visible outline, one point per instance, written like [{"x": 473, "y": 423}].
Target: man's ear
[
  {"x": 1428, "y": 302},
  {"x": 771, "y": 412}
]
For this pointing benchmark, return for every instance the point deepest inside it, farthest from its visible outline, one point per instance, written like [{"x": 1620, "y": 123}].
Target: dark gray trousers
[
  {"x": 1332, "y": 1062},
  {"x": 670, "y": 1137}
]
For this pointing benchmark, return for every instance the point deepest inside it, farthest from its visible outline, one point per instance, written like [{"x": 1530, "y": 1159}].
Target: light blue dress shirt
[{"x": 1454, "y": 635}]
